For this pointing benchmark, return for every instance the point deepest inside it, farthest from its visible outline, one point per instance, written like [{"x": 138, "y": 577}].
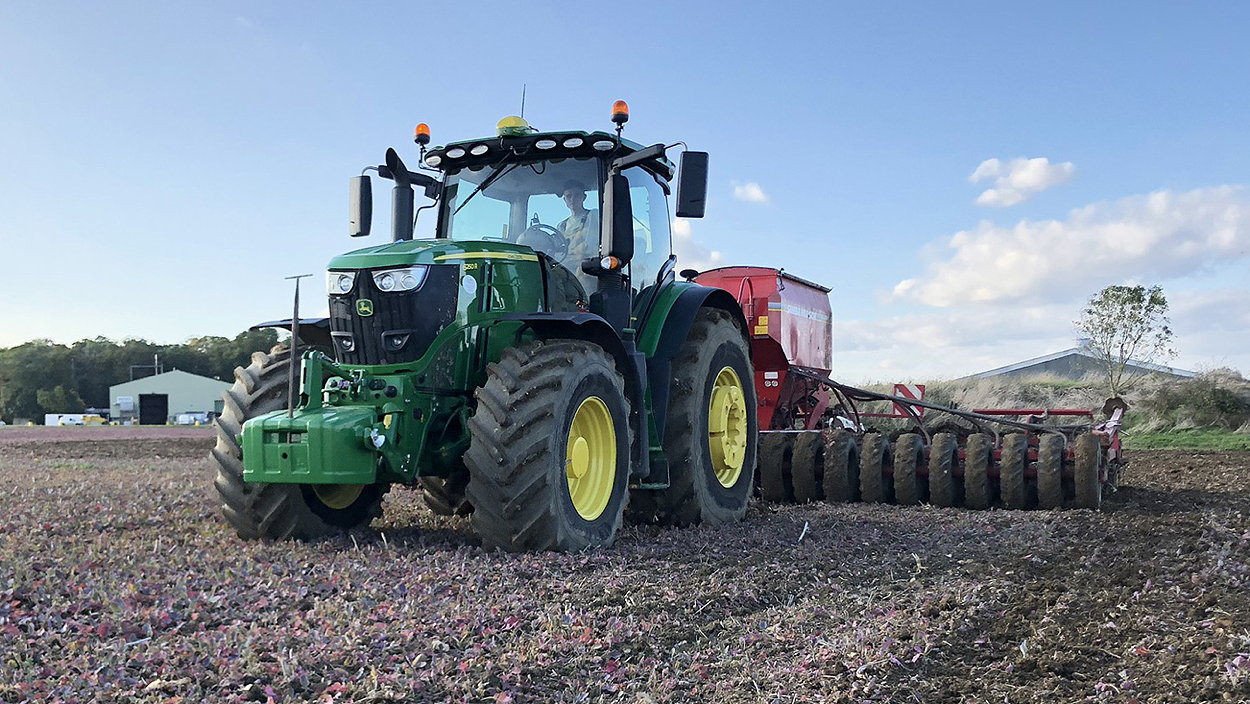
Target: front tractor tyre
[
  {"x": 710, "y": 432},
  {"x": 549, "y": 449},
  {"x": 445, "y": 497},
  {"x": 278, "y": 511}
]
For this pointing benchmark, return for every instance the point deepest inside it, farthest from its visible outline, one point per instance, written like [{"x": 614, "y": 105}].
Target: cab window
[{"x": 652, "y": 243}]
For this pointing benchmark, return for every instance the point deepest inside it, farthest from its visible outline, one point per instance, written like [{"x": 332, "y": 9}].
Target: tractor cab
[
  {"x": 593, "y": 206},
  {"x": 547, "y": 191}
]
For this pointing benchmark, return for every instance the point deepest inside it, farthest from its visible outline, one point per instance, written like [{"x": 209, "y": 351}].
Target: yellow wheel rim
[
  {"x": 590, "y": 458},
  {"x": 727, "y": 427},
  {"x": 338, "y": 496}
]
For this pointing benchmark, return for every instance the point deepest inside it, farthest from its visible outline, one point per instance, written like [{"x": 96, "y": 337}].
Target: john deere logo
[{"x": 364, "y": 307}]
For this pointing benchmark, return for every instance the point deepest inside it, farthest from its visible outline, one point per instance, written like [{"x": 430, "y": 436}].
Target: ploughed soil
[{"x": 119, "y": 582}]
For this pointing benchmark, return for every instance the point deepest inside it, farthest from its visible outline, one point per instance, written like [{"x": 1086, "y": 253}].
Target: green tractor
[{"x": 535, "y": 364}]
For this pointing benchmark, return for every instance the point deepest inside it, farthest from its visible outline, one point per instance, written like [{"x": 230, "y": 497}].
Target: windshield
[{"x": 552, "y": 206}]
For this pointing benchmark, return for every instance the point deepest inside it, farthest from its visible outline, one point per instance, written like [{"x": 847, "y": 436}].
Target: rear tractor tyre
[
  {"x": 908, "y": 454},
  {"x": 278, "y": 511},
  {"x": 1011, "y": 484},
  {"x": 1086, "y": 471},
  {"x": 978, "y": 454},
  {"x": 711, "y": 432},
  {"x": 445, "y": 497},
  {"x": 807, "y": 467},
  {"x": 874, "y": 486},
  {"x": 943, "y": 454},
  {"x": 1050, "y": 471},
  {"x": 549, "y": 448},
  {"x": 841, "y": 457}
]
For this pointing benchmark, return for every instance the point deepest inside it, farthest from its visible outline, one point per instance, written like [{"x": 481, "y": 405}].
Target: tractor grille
[{"x": 402, "y": 325}]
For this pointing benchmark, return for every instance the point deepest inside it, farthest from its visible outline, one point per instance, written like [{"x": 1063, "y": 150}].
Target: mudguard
[
  {"x": 631, "y": 363},
  {"x": 666, "y": 327},
  {"x": 314, "y": 332}
]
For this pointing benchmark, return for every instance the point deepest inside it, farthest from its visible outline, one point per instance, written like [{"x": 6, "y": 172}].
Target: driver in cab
[{"x": 580, "y": 228}]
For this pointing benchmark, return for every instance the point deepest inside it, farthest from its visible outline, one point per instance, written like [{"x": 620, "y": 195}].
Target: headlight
[
  {"x": 339, "y": 282},
  {"x": 405, "y": 279}
]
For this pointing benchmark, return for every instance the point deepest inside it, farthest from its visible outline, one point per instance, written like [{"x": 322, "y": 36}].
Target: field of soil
[{"x": 119, "y": 582}]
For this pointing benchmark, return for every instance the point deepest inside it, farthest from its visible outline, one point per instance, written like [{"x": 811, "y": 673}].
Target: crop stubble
[{"x": 119, "y": 581}]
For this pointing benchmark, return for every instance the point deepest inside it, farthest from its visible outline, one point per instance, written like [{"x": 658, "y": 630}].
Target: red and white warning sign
[{"x": 915, "y": 392}]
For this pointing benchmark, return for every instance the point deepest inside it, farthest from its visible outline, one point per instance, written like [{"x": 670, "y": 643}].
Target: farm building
[
  {"x": 1075, "y": 363},
  {"x": 160, "y": 399}
]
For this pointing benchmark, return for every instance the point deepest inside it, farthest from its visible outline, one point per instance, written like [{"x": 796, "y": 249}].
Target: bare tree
[{"x": 1124, "y": 325}]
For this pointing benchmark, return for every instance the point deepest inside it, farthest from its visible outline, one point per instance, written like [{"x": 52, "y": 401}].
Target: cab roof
[{"x": 564, "y": 144}]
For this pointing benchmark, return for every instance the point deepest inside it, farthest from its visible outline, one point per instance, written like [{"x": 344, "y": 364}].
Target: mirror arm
[{"x": 638, "y": 157}]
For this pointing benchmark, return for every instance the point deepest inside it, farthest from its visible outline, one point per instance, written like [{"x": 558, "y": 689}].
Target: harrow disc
[
  {"x": 841, "y": 459},
  {"x": 806, "y": 467},
  {"x": 874, "y": 457},
  {"x": 1086, "y": 471},
  {"x": 776, "y": 485},
  {"x": 1011, "y": 471},
  {"x": 978, "y": 454},
  {"x": 1050, "y": 471},
  {"x": 943, "y": 454},
  {"x": 908, "y": 454}
]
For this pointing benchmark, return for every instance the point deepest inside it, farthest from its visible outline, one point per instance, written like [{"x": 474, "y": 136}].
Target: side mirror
[
  {"x": 692, "y": 185},
  {"x": 359, "y": 206},
  {"x": 622, "y": 244}
]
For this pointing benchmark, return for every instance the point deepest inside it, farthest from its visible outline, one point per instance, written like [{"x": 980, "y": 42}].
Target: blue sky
[{"x": 164, "y": 165}]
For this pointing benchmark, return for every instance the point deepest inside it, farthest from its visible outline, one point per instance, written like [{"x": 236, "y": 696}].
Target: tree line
[{"x": 41, "y": 376}]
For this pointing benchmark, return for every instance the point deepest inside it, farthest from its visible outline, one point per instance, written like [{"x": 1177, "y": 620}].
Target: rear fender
[
  {"x": 629, "y": 362},
  {"x": 666, "y": 328},
  {"x": 314, "y": 332}
]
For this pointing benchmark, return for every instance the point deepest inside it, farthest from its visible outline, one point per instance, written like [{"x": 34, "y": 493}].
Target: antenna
[
  {"x": 522, "y": 101},
  {"x": 290, "y": 376}
]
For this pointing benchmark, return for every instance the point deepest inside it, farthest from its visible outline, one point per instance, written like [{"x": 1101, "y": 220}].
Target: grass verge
[{"x": 1188, "y": 440}]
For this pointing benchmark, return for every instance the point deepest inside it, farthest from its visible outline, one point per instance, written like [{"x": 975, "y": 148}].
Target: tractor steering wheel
[{"x": 546, "y": 239}]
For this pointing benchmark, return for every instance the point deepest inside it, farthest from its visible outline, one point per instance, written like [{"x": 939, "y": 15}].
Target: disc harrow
[
  {"x": 1001, "y": 461},
  {"x": 815, "y": 444}
]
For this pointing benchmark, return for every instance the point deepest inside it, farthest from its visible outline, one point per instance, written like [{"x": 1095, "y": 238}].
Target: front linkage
[{"x": 353, "y": 426}]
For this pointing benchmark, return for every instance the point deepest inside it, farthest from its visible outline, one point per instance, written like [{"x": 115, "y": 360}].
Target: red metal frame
[{"x": 791, "y": 325}]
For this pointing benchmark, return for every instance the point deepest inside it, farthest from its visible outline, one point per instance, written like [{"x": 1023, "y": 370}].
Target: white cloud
[
  {"x": 1010, "y": 293},
  {"x": 1145, "y": 237},
  {"x": 1223, "y": 311},
  {"x": 750, "y": 192},
  {"x": 1016, "y": 180},
  {"x": 692, "y": 254},
  {"x": 925, "y": 332},
  {"x": 950, "y": 343},
  {"x": 1209, "y": 324}
]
